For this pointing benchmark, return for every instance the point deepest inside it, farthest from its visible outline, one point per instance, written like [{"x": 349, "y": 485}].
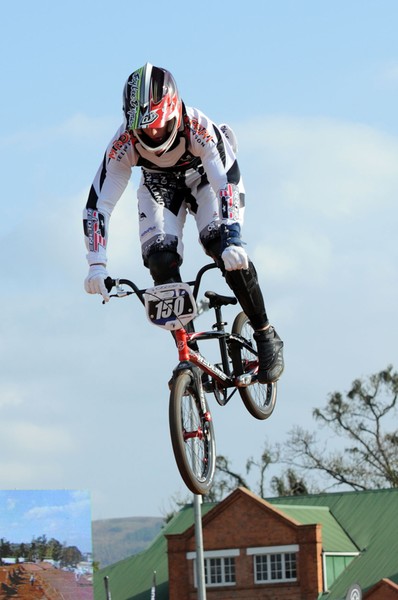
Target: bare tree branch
[{"x": 370, "y": 457}]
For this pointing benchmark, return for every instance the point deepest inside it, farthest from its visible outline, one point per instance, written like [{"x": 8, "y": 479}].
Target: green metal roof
[
  {"x": 351, "y": 521},
  {"x": 132, "y": 577},
  {"x": 334, "y": 538},
  {"x": 371, "y": 520}
]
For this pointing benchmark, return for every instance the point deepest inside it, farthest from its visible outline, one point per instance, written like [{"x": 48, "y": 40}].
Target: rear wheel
[
  {"x": 259, "y": 398},
  {"x": 192, "y": 434}
]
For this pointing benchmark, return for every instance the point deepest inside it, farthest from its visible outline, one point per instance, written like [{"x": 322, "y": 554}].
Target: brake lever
[{"x": 120, "y": 291}]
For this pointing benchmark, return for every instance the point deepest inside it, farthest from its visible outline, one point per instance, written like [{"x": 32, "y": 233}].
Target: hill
[{"x": 116, "y": 539}]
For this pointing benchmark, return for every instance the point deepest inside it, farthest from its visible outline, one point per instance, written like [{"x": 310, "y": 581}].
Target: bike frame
[
  {"x": 173, "y": 306},
  {"x": 223, "y": 377},
  {"x": 187, "y": 355}
]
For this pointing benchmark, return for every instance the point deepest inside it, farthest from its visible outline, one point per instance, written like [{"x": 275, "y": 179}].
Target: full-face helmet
[{"x": 152, "y": 107}]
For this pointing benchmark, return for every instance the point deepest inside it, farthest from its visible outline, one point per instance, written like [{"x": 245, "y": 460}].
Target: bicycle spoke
[{"x": 192, "y": 436}]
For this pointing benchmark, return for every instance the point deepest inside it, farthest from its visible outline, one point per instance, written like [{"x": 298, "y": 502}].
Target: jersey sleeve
[
  {"x": 108, "y": 186},
  {"x": 220, "y": 164}
]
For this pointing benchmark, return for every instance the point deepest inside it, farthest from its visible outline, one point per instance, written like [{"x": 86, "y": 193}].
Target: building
[{"x": 311, "y": 547}]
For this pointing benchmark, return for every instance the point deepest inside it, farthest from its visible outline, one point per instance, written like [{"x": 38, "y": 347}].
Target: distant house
[
  {"x": 311, "y": 547},
  {"x": 54, "y": 563},
  {"x": 10, "y": 560}
]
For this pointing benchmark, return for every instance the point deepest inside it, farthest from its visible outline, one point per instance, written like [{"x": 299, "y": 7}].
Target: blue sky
[
  {"x": 311, "y": 90},
  {"x": 64, "y": 515}
]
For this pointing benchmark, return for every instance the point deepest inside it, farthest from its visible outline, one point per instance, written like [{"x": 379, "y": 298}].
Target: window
[
  {"x": 334, "y": 564},
  {"x": 219, "y": 567},
  {"x": 274, "y": 564},
  {"x": 220, "y": 571}
]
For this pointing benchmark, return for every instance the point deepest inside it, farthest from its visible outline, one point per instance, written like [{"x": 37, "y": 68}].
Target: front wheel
[
  {"x": 259, "y": 398},
  {"x": 192, "y": 434}
]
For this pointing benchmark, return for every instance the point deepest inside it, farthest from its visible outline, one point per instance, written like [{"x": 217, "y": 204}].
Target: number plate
[{"x": 170, "y": 306}]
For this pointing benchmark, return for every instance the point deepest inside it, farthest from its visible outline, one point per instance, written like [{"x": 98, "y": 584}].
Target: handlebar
[{"x": 111, "y": 283}]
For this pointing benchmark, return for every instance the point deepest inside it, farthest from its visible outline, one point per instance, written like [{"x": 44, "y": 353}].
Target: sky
[
  {"x": 310, "y": 89},
  {"x": 63, "y": 515}
]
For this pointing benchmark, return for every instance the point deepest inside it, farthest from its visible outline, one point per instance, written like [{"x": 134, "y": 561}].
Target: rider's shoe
[{"x": 270, "y": 355}]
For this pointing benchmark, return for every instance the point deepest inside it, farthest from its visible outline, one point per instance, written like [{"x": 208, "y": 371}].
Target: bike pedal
[
  {"x": 208, "y": 386},
  {"x": 243, "y": 380}
]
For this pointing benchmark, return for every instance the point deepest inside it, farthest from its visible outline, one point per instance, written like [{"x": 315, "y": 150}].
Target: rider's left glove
[
  {"x": 235, "y": 258},
  {"x": 95, "y": 281}
]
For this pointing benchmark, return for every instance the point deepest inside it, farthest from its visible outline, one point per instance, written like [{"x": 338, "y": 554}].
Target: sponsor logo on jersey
[
  {"x": 200, "y": 132},
  {"x": 230, "y": 202},
  {"x": 120, "y": 146},
  {"x": 95, "y": 229},
  {"x": 149, "y": 230}
]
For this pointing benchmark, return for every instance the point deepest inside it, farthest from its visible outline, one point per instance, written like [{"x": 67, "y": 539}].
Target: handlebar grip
[{"x": 109, "y": 283}]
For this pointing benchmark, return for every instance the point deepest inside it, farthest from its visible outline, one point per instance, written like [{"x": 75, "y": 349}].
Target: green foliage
[
  {"x": 289, "y": 484},
  {"x": 39, "y": 549},
  {"x": 71, "y": 555},
  {"x": 5, "y": 548}
]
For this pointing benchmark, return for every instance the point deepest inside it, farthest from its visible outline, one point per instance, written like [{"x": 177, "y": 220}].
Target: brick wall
[
  {"x": 244, "y": 521},
  {"x": 383, "y": 590}
]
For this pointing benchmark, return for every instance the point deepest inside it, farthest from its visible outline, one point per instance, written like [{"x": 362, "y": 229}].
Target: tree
[
  {"x": 71, "y": 555},
  {"x": 21, "y": 552},
  {"x": 289, "y": 484},
  {"x": 5, "y": 548},
  {"x": 54, "y": 549},
  {"x": 268, "y": 457},
  {"x": 364, "y": 420},
  {"x": 32, "y": 553},
  {"x": 40, "y": 544},
  {"x": 226, "y": 480}
]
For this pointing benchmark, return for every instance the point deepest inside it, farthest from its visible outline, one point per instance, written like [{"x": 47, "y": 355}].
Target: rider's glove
[
  {"x": 95, "y": 281},
  {"x": 235, "y": 258},
  {"x": 232, "y": 252}
]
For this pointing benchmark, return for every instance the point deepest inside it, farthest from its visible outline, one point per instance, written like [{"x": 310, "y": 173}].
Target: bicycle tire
[
  {"x": 258, "y": 398},
  {"x": 192, "y": 434}
]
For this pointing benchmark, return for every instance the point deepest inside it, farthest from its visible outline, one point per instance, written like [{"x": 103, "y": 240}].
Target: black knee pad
[
  {"x": 244, "y": 284},
  {"x": 164, "y": 267}
]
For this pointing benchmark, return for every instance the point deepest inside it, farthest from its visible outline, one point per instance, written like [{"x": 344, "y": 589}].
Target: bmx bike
[{"x": 173, "y": 306}]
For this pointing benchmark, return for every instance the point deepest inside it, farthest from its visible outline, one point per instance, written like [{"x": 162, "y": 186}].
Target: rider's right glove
[{"x": 95, "y": 281}]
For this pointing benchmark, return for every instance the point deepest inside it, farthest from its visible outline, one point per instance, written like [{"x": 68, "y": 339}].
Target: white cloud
[
  {"x": 78, "y": 505},
  {"x": 297, "y": 258},
  {"x": 388, "y": 74},
  {"x": 78, "y": 127},
  {"x": 11, "y": 395},
  {"x": 10, "y": 504},
  {"x": 321, "y": 196},
  {"x": 81, "y": 126},
  {"x": 36, "y": 440},
  {"x": 335, "y": 168}
]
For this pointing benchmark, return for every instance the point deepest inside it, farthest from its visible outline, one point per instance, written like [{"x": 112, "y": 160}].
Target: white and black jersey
[{"x": 199, "y": 173}]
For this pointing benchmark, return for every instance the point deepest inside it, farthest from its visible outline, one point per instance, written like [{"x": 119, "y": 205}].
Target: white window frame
[
  {"x": 207, "y": 556},
  {"x": 268, "y": 551}
]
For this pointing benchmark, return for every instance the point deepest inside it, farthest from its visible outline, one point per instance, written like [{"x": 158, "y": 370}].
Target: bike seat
[{"x": 217, "y": 300}]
